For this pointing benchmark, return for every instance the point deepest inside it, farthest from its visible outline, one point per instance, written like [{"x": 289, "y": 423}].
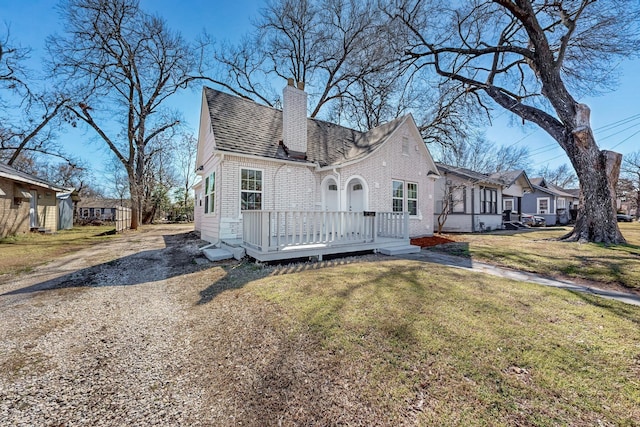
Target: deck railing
[{"x": 275, "y": 230}]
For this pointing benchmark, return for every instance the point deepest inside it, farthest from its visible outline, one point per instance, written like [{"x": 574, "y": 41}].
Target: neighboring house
[
  {"x": 515, "y": 185},
  {"x": 549, "y": 201},
  {"x": 26, "y": 202},
  {"x": 474, "y": 200},
  {"x": 99, "y": 209},
  {"x": 281, "y": 185}
]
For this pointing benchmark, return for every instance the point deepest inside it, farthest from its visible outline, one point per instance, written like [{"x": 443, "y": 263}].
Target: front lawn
[
  {"x": 410, "y": 343},
  {"x": 538, "y": 251},
  {"x": 23, "y": 252}
]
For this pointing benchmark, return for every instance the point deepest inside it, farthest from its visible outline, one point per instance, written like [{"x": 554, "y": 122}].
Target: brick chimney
[{"x": 294, "y": 117}]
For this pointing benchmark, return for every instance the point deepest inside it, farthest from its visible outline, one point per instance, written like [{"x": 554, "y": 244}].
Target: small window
[
  {"x": 412, "y": 198},
  {"x": 457, "y": 196},
  {"x": 561, "y": 203},
  {"x": 543, "y": 205},
  {"x": 405, "y": 197},
  {"x": 405, "y": 145},
  {"x": 488, "y": 200},
  {"x": 210, "y": 193},
  {"x": 333, "y": 187},
  {"x": 357, "y": 187},
  {"x": 250, "y": 189},
  {"x": 398, "y": 196},
  {"x": 507, "y": 204}
]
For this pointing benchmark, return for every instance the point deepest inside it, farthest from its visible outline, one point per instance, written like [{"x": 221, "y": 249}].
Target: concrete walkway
[{"x": 480, "y": 267}]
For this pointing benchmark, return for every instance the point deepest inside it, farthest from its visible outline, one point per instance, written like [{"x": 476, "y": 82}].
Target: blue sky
[{"x": 615, "y": 116}]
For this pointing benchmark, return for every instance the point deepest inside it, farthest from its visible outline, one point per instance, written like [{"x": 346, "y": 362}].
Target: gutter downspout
[{"x": 335, "y": 171}]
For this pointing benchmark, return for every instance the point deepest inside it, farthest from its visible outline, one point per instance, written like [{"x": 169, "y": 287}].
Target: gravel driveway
[{"x": 106, "y": 336}]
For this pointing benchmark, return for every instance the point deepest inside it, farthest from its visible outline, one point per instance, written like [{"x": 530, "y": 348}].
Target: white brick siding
[{"x": 287, "y": 186}]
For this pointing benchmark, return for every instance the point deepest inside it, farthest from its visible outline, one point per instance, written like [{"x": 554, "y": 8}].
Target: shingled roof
[
  {"x": 9, "y": 172},
  {"x": 243, "y": 126},
  {"x": 467, "y": 174}
]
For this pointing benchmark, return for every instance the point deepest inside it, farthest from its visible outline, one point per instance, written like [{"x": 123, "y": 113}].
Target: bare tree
[
  {"x": 185, "y": 157},
  {"x": 562, "y": 176},
  {"x": 118, "y": 182},
  {"x": 452, "y": 198},
  {"x": 119, "y": 61},
  {"x": 480, "y": 155},
  {"x": 528, "y": 57},
  {"x": 631, "y": 172},
  {"x": 29, "y": 130},
  {"x": 335, "y": 47},
  {"x": 160, "y": 176}
]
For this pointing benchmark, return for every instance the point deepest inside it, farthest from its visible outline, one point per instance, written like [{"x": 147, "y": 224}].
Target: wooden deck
[
  {"x": 319, "y": 250},
  {"x": 279, "y": 235}
]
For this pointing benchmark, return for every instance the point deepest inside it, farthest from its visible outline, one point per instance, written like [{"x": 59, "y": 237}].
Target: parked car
[
  {"x": 624, "y": 218},
  {"x": 533, "y": 220}
]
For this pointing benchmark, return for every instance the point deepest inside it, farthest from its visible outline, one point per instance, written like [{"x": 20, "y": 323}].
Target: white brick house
[{"x": 254, "y": 158}]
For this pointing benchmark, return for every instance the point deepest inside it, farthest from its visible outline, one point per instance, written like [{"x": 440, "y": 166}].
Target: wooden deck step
[
  {"x": 217, "y": 254},
  {"x": 399, "y": 250}
]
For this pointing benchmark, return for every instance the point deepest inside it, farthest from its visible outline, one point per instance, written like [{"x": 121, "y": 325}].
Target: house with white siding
[
  {"x": 516, "y": 185},
  {"x": 467, "y": 201},
  {"x": 279, "y": 185}
]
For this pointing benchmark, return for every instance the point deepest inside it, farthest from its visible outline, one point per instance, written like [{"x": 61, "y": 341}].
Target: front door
[
  {"x": 331, "y": 196},
  {"x": 33, "y": 210},
  {"x": 356, "y": 199}
]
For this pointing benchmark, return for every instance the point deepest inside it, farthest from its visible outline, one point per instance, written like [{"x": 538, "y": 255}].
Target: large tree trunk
[{"x": 598, "y": 172}]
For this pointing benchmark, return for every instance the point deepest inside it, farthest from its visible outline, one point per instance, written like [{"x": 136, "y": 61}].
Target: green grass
[
  {"x": 469, "y": 349},
  {"x": 19, "y": 254},
  {"x": 539, "y": 252}
]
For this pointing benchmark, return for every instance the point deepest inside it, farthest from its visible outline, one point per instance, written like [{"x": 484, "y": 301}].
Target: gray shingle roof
[
  {"x": 543, "y": 185},
  {"x": 467, "y": 174},
  {"x": 243, "y": 126}
]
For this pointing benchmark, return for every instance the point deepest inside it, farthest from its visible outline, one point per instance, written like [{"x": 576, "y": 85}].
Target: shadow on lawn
[
  {"x": 624, "y": 311},
  {"x": 142, "y": 267}
]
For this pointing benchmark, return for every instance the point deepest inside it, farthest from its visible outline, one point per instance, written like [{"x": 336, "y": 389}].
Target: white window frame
[
  {"x": 404, "y": 196},
  {"x": 210, "y": 194},
  {"x": 412, "y": 199},
  {"x": 561, "y": 203},
  {"x": 507, "y": 201},
  {"x": 547, "y": 210},
  {"x": 253, "y": 191},
  {"x": 457, "y": 199},
  {"x": 395, "y": 196},
  {"x": 489, "y": 206}
]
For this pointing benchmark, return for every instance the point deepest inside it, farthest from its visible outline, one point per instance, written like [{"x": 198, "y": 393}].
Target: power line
[
  {"x": 626, "y": 139},
  {"x": 618, "y": 123}
]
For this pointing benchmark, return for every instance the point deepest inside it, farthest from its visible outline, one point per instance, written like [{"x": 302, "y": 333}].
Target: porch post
[
  {"x": 265, "y": 232},
  {"x": 406, "y": 225},
  {"x": 375, "y": 227}
]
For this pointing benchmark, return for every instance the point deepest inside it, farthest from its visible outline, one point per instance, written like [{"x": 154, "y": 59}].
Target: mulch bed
[{"x": 424, "y": 242}]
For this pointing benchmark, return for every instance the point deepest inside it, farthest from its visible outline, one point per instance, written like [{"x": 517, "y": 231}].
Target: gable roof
[
  {"x": 542, "y": 185},
  {"x": 243, "y": 126},
  {"x": 467, "y": 174},
  {"x": 13, "y": 174},
  {"x": 508, "y": 178}
]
